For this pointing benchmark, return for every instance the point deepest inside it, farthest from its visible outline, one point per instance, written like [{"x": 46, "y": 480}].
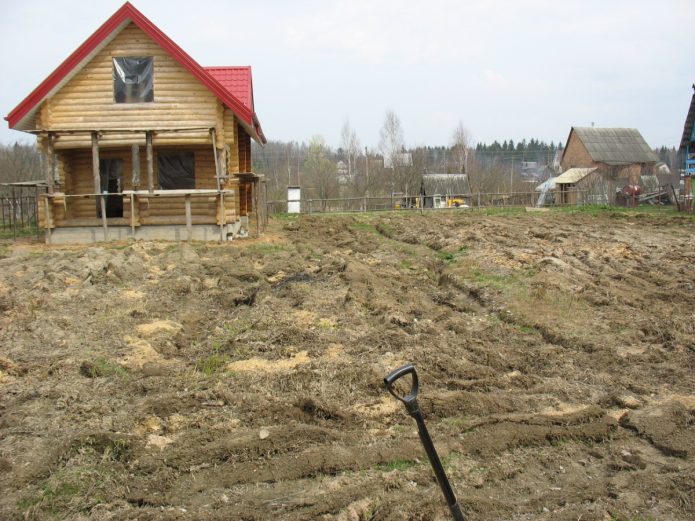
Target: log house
[{"x": 140, "y": 141}]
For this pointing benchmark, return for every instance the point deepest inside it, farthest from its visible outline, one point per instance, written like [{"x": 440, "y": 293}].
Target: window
[
  {"x": 176, "y": 170},
  {"x": 132, "y": 79}
]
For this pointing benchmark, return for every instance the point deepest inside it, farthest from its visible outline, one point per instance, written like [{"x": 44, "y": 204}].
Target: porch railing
[{"x": 137, "y": 208}]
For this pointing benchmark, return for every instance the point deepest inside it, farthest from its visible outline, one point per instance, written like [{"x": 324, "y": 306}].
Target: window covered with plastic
[
  {"x": 176, "y": 170},
  {"x": 133, "y": 79}
]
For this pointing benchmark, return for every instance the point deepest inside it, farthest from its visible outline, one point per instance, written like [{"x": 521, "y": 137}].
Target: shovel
[{"x": 413, "y": 408}]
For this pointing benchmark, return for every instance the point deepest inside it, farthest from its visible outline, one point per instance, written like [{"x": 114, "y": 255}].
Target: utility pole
[{"x": 366, "y": 166}]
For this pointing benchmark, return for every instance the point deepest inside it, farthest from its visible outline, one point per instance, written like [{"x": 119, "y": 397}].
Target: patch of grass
[
  {"x": 268, "y": 248},
  {"x": 102, "y": 367},
  {"x": 26, "y": 231},
  {"x": 364, "y": 227},
  {"x": 211, "y": 364},
  {"x": 66, "y": 492},
  {"x": 406, "y": 264},
  {"x": 396, "y": 465},
  {"x": 449, "y": 257},
  {"x": 224, "y": 341}
]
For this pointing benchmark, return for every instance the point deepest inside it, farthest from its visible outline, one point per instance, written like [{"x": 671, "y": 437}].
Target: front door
[{"x": 111, "y": 173}]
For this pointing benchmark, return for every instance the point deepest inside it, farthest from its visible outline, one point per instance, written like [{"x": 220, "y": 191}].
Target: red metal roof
[
  {"x": 128, "y": 13},
  {"x": 237, "y": 80}
]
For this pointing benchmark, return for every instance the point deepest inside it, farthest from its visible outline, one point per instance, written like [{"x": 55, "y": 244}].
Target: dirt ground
[{"x": 244, "y": 380}]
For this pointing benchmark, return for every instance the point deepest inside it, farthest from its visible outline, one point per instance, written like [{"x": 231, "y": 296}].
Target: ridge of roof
[
  {"x": 125, "y": 14},
  {"x": 615, "y": 145}
]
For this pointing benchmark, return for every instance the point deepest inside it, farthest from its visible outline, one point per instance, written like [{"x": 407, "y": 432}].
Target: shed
[
  {"x": 581, "y": 186},
  {"x": 440, "y": 189},
  {"x": 621, "y": 155}
]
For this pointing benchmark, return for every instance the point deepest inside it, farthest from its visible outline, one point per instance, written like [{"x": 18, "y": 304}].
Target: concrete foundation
[{"x": 91, "y": 234}]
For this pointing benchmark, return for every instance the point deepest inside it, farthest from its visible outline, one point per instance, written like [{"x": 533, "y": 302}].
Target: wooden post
[
  {"x": 51, "y": 160},
  {"x": 50, "y": 163},
  {"x": 102, "y": 202},
  {"x": 255, "y": 204},
  {"x": 189, "y": 220},
  {"x": 13, "y": 207},
  {"x": 95, "y": 162},
  {"x": 132, "y": 213},
  {"x": 135, "y": 153},
  {"x": 150, "y": 162},
  {"x": 47, "y": 208},
  {"x": 688, "y": 194},
  {"x": 214, "y": 153},
  {"x": 222, "y": 215}
]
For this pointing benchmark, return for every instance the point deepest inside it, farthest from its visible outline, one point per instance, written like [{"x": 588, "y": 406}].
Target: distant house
[
  {"x": 402, "y": 159},
  {"x": 532, "y": 171},
  {"x": 620, "y": 156},
  {"x": 582, "y": 186},
  {"x": 687, "y": 152},
  {"x": 141, "y": 141},
  {"x": 439, "y": 189}
]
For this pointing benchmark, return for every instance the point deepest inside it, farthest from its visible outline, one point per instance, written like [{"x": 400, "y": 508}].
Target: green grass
[
  {"x": 449, "y": 257},
  {"x": 396, "y": 465},
  {"x": 211, "y": 364},
  {"x": 364, "y": 227},
  {"x": 102, "y": 367},
  {"x": 26, "y": 231},
  {"x": 269, "y": 248},
  {"x": 66, "y": 492}
]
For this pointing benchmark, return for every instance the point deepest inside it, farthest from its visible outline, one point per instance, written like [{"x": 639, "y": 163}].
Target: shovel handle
[{"x": 410, "y": 399}]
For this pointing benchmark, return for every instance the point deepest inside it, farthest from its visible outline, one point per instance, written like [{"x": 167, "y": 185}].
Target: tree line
[
  {"x": 393, "y": 168},
  {"x": 351, "y": 170}
]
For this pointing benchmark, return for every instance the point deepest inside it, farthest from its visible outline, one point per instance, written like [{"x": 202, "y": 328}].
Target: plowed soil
[{"x": 244, "y": 381}]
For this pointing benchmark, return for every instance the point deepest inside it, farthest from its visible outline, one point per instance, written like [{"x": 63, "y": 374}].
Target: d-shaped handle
[{"x": 410, "y": 399}]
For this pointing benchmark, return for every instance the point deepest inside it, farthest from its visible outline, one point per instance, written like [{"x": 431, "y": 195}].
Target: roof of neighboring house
[
  {"x": 442, "y": 184},
  {"x": 615, "y": 146},
  {"x": 689, "y": 123},
  {"x": 573, "y": 175},
  {"x": 20, "y": 117},
  {"x": 546, "y": 185}
]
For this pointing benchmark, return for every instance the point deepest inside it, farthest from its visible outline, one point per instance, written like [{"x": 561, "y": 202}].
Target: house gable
[
  {"x": 23, "y": 117},
  {"x": 575, "y": 154},
  {"x": 87, "y": 100}
]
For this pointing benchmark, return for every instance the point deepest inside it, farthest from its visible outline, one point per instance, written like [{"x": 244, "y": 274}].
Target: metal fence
[
  {"x": 18, "y": 214},
  {"x": 417, "y": 202}
]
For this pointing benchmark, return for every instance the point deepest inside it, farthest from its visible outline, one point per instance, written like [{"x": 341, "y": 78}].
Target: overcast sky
[{"x": 507, "y": 69}]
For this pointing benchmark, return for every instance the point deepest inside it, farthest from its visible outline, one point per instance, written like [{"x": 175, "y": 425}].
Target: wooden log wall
[
  {"x": 153, "y": 210},
  {"x": 244, "y": 150},
  {"x": 231, "y": 141},
  {"x": 87, "y": 100}
]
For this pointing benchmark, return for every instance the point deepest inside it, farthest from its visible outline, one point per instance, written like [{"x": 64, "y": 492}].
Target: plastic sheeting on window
[
  {"x": 133, "y": 79},
  {"x": 176, "y": 170}
]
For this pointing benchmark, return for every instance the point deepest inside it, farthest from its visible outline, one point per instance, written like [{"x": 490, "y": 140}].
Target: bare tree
[
  {"x": 351, "y": 147},
  {"x": 391, "y": 145},
  {"x": 460, "y": 148},
  {"x": 320, "y": 170},
  {"x": 20, "y": 163}
]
